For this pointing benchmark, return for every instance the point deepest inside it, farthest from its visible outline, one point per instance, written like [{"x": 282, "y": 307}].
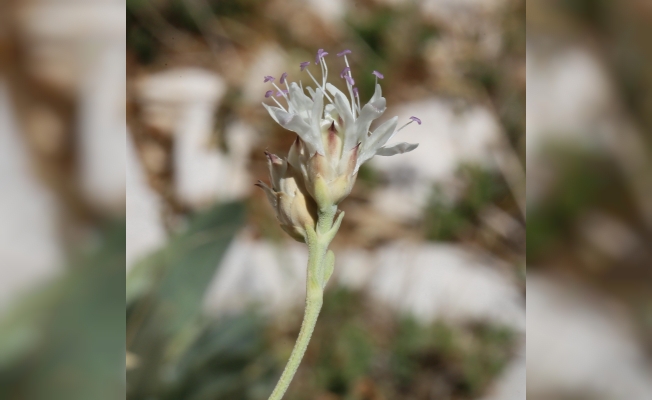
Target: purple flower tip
[
  {"x": 304, "y": 65},
  {"x": 378, "y": 75},
  {"x": 344, "y": 71},
  {"x": 343, "y": 52},
  {"x": 279, "y": 94},
  {"x": 415, "y": 119},
  {"x": 320, "y": 54},
  {"x": 269, "y": 79},
  {"x": 355, "y": 91},
  {"x": 269, "y": 93},
  {"x": 283, "y": 77},
  {"x": 349, "y": 80}
]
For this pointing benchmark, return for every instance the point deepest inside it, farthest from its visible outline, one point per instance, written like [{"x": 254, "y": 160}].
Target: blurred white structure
[
  {"x": 258, "y": 272},
  {"x": 183, "y": 102},
  {"x": 144, "y": 228},
  {"x": 441, "y": 281},
  {"x": 446, "y": 139},
  {"x": 511, "y": 385},
  {"x": 571, "y": 101},
  {"x": 80, "y": 48},
  {"x": 567, "y": 98},
  {"x": 579, "y": 345},
  {"x": 30, "y": 251},
  {"x": 429, "y": 281}
]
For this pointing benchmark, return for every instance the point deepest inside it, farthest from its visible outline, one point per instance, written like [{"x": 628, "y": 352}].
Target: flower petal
[
  {"x": 398, "y": 148},
  {"x": 378, "y": 94},
  {"x": 372, "y": 110},
  {"x": 378, "y": 138},
  {"x": 294, "y": 123},
  {"x": 300, "y": 102},
  {"x": 343, "y": 108},
  {"x": 311, "y": 91},
  {"x": 315, "y": 123},
  {"x": 272, "y": 110}
]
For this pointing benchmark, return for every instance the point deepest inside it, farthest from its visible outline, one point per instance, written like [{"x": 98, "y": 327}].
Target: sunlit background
[
  {"x": 428, "y": 296},
  {"x": 428, "y": 299},
  {"x": 589, "y": 189}
]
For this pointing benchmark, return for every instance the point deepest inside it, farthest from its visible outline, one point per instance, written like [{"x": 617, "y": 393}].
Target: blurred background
[
  {"x": 428, "y": 300},
  {"x": 428, "y": 296},
  {"x": 589, "y": 197},
  {"x": 62, "y": 191}
]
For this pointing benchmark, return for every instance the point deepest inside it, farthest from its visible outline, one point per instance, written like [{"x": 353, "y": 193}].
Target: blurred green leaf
[
  {"x": 66, "y": 341},
  {"x": 166, "y": 290}
]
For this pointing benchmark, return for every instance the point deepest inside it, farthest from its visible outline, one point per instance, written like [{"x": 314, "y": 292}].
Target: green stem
[{"x": 318, "y": 274}]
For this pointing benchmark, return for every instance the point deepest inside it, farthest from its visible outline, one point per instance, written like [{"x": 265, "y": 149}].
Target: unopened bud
[{"x": 295, "y": 209}]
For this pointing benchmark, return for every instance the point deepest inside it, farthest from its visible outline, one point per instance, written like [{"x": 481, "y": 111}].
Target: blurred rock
[
  {"x": 511, "y": 385},
  {"x": 446, "y": 139},
  {"x": 572, "y": 102},
  {"x": 65, "y": 39},
  {"x": 183, "y": 102},
  {"x": 446, "y": 282},
  {"x": 144, "y": 231},
  {"x": 429, "y": 281},
  {"x": 258, "y": 272},
  {"x": 78, "y": 48},
  {"x": 30, "y": 250},
  {"x": 580, "y": 345},
  {"x": 330, "y": 11},
  {"x": 568, "y": 95}
]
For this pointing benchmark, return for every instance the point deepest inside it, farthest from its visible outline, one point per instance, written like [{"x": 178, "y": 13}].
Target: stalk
[{"x": 320, "y": 267}]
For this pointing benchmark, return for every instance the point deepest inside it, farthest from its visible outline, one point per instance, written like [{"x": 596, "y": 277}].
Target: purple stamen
[
  {"x": 304, "y": 65},
  {"x": 349, "y": 80},
  {"x": 378, "y": 75},
  {"x": 355, "y": 91},
  {"x": 269, "y": 93},
  {"x": 283, "y": 77},
  {"x": 281, "y": 93},
  {"x": 415, "y": 119},
  {"x": 344, "y": 71},
  {"x": 320, "y": 54},
  {"x": 269, "y": 79},
  {"x": 343, "y": 52}
]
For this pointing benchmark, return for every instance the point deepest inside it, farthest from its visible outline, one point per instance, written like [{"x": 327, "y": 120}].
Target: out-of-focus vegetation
[
  {"x": 602, "y": 189},
  {"x": 67, "y": 341},
  {"x": 358, "y": 351},
  {"x": 449, "y": 219}
]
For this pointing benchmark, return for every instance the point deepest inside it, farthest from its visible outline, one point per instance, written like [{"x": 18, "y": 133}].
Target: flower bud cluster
[{"x": 333, "y": 141}]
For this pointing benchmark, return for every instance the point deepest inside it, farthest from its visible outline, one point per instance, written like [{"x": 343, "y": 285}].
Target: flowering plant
[{"x": 333, "y": 141}]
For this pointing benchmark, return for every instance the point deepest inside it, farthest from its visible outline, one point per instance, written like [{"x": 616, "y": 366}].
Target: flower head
[{"x": 334, "y": 139}]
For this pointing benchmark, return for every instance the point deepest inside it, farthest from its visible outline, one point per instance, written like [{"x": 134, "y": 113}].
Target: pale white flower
[{"x": 334, "y": 139}]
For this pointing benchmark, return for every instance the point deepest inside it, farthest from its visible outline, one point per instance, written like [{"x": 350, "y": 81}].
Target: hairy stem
[{"x": 318, "y": 274}]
